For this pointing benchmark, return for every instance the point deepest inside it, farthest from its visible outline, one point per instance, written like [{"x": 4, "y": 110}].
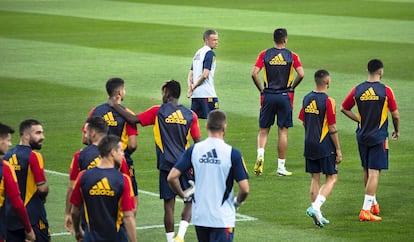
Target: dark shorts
[
  {"x": 165, "y": 191},
  {"x": 374, "y": 157},
  {"x": 207, "y": 234},
  {"x": 326, "y": 165},
  {"x": 273, "y": 105},
  {"x": 40, "y": 229},
  {"x": 202, "y": 106},
  {"x": 134, "y": 182}
]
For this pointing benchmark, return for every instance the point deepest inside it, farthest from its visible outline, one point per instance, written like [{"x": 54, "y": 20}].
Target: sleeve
[
  {"x": 74, "y": 166},
  {"x": 148, "y": 117},
  {"x": 195, "y": 127},
  {"x": 208, "y": 60},
  {"x": 76, "y": 197},
  {"x": 330, "y": 111},
  {"x": 392, "y": 103},
  {"x": 91, "y": 112},
  {"x": 13, "y": 193},
  {"x": 131, "y": 129},
  {"x": 349, "y": 102},
  {"x": 260, "y": 60},
  {"x": 37, "y": 166},
  {"x": 302, "y": 115},
  {"x": 124, "y": 167},
  {"x": 296, "y": 60},
  {"x": 127, "y": 199},
  {"x": 184, "y": 163},
  {"x": 238, "y": 165}
]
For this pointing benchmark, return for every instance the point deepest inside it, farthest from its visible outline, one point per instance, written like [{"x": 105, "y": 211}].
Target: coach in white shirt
[
  {"x": 216, "y": 165},
  {"x": 201, "y": 77}
]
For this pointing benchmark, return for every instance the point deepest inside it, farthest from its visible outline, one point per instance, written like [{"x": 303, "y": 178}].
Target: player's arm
[
  {"x": 179, "y": 168},
  {"x": 241, "y": 176},
  {"x": 300, "y": 73},
  {"x": 201, "y": 80},
  {"x": 347, "y": 105},
  {"x": 13, "y": 193},
  {"x": 256, "y": 79},
  {"x": 76, "y": 201},
  {"x": 130, "y": 227},
  {"x": 396, "y": 122},
  {"x": 174, "y": 181},
  {"x": 132, "y": 133},
  {"x": 190, "y": 83},
  {"x": 128, "y": 208},
  {"x": 195, "y": 128},
  {"x": 392, "y": 106},
  {"x": 333, "y": 131},
  {"x": 73, "y": 174},
  {"x": 129, "y": 117},
  {"x": 37, "y": 167}
]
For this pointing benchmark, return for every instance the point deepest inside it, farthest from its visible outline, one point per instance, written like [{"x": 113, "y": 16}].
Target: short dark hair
[
  {"x": 107, "y": 143},
  {"x": 207, "y": 33},
  {"x": 173, "y": 87},
  {"x": 5, "y": 130},
  {"x": 27, "y": 124},
  {"x": 216, "y": 120},
  {"x": 320, "y": 76},
  {"x": 280, "y": 35},
  {"x": 113, "y": 84},
  {"x": 98, "y": 124},
  {"x": 374, "y": 65}
]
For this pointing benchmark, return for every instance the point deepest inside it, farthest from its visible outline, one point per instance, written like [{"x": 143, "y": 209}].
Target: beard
[{"x": 35, "y": 145}]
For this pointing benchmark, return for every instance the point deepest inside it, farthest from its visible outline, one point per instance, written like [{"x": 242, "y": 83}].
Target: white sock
[
  {"x": 182, "y": 228},
  {"x": 170, "y": 236},
  {"x": 368, "y": 201},
  {"x": 317, "y": 204},
  {"x": 281, "y": 163},
  {"x": 260, "y": 152}
]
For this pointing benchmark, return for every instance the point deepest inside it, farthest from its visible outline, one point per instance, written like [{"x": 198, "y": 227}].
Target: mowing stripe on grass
[{"x": 337, "y": 27}]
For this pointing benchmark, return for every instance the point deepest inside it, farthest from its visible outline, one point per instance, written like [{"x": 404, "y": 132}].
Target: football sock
[
  {"x": 170, "y": 236},
  {"x": 317, "y": 204},
  {"x": 182, "y": 228},
  {"x": 260, "y": 152},
  {"x": 281, "y": 163},
  {"x": 368, "y": 201}
]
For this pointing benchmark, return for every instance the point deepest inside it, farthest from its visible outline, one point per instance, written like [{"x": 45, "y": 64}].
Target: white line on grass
[{"x": 239, "y": 217}]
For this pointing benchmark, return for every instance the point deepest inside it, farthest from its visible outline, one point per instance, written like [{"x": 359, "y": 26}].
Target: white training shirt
[{"x": 204, "y": 58}]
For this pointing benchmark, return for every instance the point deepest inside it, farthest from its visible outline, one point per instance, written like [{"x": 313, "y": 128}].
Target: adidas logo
[
  {"x": 14, "y": 162},
  {"x": 278, "y": 60},
  {"x": 369, "y": 95},
  {"x": 312, "y": 108},
  {"x": 176, "y": 118},
  {"x": 110, "y": 120},
  {"x": 102, "y": 188},
  {"x": 210, "y": 157},
  {"x": 93, "y": 163}
]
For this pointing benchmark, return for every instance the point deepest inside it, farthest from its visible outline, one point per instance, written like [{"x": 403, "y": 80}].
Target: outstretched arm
[{"x": 129, "y": 117}]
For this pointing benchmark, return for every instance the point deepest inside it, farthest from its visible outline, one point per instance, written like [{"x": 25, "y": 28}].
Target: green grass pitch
[{"x": 57, "y": 55}]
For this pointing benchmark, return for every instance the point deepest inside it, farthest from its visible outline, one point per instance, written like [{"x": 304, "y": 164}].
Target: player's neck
[{"x": 106, "y": 163}]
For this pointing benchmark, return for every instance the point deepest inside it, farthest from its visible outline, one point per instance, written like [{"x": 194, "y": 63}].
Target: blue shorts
[
  {"x": 326, "y": 165},
  {"x": 207, "y": 234},
  {"x": 202, "y": 106},
  {"x": 40, "y": 229},
  {"x": 165, "y": 191},
  {"x": 374, "y": 157},
  {"x": 275, "y": 104}
]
